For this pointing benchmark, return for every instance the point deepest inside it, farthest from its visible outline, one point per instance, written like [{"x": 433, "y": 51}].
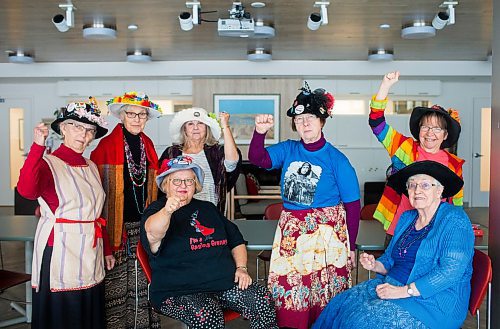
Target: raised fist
[
  {"x": 40, "y": 134},
  {"x": 264, "y": 122}
]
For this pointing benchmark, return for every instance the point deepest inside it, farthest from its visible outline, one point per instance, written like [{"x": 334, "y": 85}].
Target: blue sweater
[{"x": 442, "y": 270}]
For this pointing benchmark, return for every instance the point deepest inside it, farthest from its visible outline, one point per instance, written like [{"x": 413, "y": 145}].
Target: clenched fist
[
  {"x": 264, "y": 122},
  {"x": 173, "y": 204},
  {"x": 40, "y": 134}
]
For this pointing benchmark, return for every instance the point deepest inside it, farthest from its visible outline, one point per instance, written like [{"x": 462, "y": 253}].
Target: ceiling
[{"x": 352, "y": 31}]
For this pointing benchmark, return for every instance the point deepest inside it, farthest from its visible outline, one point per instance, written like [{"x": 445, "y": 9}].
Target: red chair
[
  {"x": 272, "y": 212},
  {"x": 142, "y": 258},
  {"x": 480, "y": 285}
]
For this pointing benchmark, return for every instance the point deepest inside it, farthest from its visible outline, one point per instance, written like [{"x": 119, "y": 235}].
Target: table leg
[{"x": 28, "y": 257}]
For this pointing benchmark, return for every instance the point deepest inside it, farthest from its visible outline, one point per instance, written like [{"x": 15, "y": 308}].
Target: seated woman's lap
[
  {"x": 205, "y": 310},
  {"x": 360, "y": 307}
]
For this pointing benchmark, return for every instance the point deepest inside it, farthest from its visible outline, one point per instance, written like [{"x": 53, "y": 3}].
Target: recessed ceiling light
[
  {"x": 139, "y": 56},
  {"x": 258, "y": 4},
  {"x": 99, "y": 31},
  {"x": 380, "y": 55},
  {"x": 259, "y": 55},
  {"x": 385, "y": 26},
  {"x": 9, "y": 52},
  {"x": 133, "y": 27},
  {"x": 243, "y": 35}
]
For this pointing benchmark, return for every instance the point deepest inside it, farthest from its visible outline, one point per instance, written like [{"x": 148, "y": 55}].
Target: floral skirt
[{"x": 308, "y": 263}]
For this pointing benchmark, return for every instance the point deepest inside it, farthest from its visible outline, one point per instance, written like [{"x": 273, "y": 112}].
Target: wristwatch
[{"x": 410, "y": 291}]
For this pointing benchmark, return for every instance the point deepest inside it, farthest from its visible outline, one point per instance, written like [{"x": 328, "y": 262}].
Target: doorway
[{"x": 481, "y": 145}]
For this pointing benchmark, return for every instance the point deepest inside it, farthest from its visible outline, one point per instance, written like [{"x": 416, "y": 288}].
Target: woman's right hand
[
  {"x": 173, "y": 204},
  {"x": 387, "y": 82},
  {"x": 264, "y": 122},
  {"x": 40, "y": 134},
  {"x": 367, "y": 261}
]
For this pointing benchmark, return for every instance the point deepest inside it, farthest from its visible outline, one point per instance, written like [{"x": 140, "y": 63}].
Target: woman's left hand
[
  {"x": 388, "y": 291},
  {"x": 352, "y": 259},
  {"x": 110, "y": 262},
  {"x": 224, "y": 119},
  {"x": 242, "y": 278}
]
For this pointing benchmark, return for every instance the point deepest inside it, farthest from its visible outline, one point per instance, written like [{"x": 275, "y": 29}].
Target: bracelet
[{"x": 243, "y": 267}]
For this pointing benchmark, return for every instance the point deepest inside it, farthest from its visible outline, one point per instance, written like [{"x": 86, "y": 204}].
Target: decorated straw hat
[
  {"x": 452, "y": 182},
  {"x": 82, "y": 112},
  {"x": 182, "y": 162},
  {"x": 133, "y": 98},
  {"x": 318, "y": 102},
  {"x": 193, "y": 114},
  {"x": 452, "y": 119}
]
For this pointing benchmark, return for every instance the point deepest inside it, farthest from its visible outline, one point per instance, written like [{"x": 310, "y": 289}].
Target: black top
[
  {"x": 134, "y": 197},
  {"x": 195, "y": 254}
]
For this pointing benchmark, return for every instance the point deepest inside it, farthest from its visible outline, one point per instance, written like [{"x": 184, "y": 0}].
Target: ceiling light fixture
[
  {"x": 186, "y": 20},
  {"x": 447, "y": 17},
  {"x": 418, "y": 29},
  {"x": 259, "y": 55},
  {"x": 315, "y": 20},
  {"x": 133, "y": 27},
  {"x": 139, "y": 56},
  {"x": 19, "y": 57},
  {"x": 62, "y": 23},
  {"x": 99, "y": 31},
  {"x": 380, "y": 55},
  {"x": 258, "y": 4}
]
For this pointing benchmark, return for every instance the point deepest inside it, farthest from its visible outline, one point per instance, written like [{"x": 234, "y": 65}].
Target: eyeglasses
[
  {"x": 80, "y": 128},
  {"x": 412, "y": 186},
  {"x": 435, "y": 130},
  {"x": 302, "y": 120},
  {"x": 178, "y": 181},
  {"x": 133, "y": 115}
]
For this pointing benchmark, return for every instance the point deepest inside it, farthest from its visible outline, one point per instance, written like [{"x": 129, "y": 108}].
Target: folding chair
[
  {"x": 142, "y": 258},
  {"x": 480, "y": 284},
  {"x": 9, "y": 279}
]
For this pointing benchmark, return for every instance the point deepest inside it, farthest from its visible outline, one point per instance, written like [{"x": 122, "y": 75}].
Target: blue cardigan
[{"x": 442, "y": 270}]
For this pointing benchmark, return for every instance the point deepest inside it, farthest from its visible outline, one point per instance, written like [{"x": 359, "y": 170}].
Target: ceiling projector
[{"x": 234, "y": 27}]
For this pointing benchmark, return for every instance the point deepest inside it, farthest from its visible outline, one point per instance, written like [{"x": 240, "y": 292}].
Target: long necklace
[
  {"x": 406, "y": 242},
  {"x": 137, "y": 173}
]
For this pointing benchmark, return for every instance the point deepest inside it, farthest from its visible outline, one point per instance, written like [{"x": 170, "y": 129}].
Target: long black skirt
[{"x": 67, "y": 309}]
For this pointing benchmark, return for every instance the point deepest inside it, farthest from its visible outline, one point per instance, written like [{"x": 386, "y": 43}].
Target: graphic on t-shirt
[
  {"x": 205, "y": 231},
  {"x": 301, "y": 179}
]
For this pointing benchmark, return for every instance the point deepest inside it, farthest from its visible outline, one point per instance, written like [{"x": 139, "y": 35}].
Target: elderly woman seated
[
  {"x": 424, "y": 275},
  {"x": 198, "y": 257}
]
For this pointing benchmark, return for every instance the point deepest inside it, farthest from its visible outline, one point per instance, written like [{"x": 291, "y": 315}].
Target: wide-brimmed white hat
[
  {"x": 115, "y": 104},
  {"x": 192, "y": 114}
]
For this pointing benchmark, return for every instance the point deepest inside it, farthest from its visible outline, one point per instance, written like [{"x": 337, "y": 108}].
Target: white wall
[{"x": 457, "y": 92}]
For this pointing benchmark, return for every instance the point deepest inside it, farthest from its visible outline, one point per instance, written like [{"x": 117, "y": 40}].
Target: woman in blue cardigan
[{"x": 424, "y": 275}]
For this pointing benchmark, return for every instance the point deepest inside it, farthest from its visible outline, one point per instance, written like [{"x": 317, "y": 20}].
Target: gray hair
[
  {"x": 209, "y": 137},
  {"x": 436, "y": 182},
  {"x": 125, "y": 107}
]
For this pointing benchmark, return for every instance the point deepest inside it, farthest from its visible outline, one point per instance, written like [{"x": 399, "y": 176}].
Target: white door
[
  {"x": 12, "y": 144},
  {"x": 481, "y": 152}
]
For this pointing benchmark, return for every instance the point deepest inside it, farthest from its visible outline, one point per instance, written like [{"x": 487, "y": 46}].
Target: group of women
[{"x": 94, "y": 212}]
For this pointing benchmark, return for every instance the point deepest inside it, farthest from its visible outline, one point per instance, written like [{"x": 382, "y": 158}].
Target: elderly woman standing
[
  {"x": 434, "y": 129},
  {"x": 313, "y": 249},
  {"x": 196, "y": 134},
  {"x": 424, "y": 275},
  {"x": 68, "y": 258},
  {"x": 198, "y": 257},
  {"x": 127, "y": 163}
]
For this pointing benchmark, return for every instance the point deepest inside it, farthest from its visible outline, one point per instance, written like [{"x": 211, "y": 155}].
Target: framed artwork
[{"x": 243, "y": 109}]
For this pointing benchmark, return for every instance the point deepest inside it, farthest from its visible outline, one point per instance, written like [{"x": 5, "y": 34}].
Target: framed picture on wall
[{"x": 243, "y": 109}]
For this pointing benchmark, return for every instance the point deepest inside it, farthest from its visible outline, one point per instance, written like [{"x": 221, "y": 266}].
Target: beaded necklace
[
  {"x": 137, "y": 172},
  {"x": 405, "y": 242}
]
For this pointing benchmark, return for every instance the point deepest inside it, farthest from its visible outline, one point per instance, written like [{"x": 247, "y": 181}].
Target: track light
[
  {"x": 447, "y": 17},
  {"x": 315, "y": 20},
  {"x": 186, "y": 20},
  {"x": 62, "y": 23}
]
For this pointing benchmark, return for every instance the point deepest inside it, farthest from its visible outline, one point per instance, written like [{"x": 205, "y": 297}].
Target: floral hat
[
  {"x": 133, "y": 98},
  {"x": 83, "y": 112},
  {"x": 452, "y": 121},
  {"x": 182, "y": 162},
  {"x": 318, "y": 102}
]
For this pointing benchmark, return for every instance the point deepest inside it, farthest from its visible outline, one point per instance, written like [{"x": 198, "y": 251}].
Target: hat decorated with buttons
[
  {"x": 318, "y": 102},
  {"x": 116, "y": 104},
  {"x": 182, "y": 162},
  {"x": 82, "y": 112},
  {"x": 452, "y": 122}
]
